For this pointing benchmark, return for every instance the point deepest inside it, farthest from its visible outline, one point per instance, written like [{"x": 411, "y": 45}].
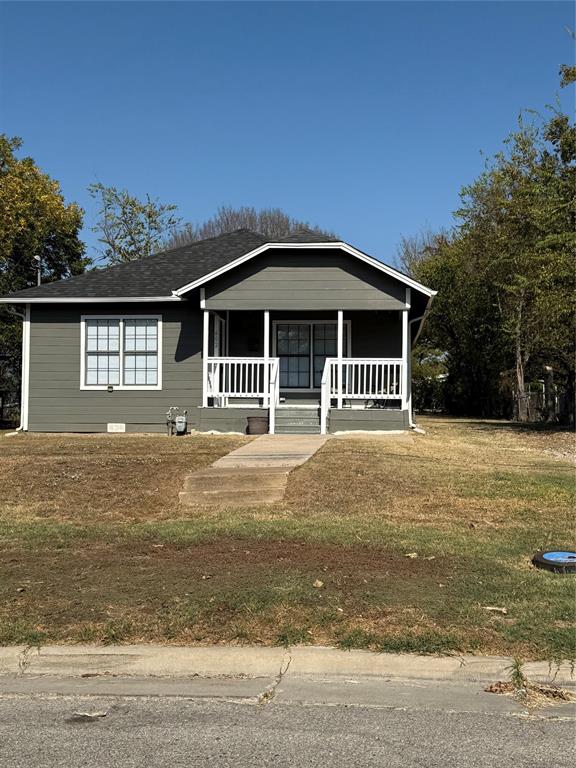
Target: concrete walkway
[{"x": 256, "y": 473}]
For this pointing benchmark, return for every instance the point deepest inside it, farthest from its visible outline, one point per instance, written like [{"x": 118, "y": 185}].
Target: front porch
[{"x": 307, "y": 372}]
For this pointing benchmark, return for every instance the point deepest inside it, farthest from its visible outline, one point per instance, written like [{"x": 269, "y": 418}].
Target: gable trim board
[{"x": 324, "y": 245}]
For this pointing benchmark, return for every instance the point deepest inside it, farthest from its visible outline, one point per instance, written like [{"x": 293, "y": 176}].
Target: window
[
  {"x": 303, "y": 348},
  {"x": 121, "y": 352},
  {"x": 102, "y": 352},
  {"x": 141, "y": 352}
]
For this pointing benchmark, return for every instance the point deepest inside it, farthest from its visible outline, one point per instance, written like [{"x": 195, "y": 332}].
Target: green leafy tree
[
  {"x": 505, "y": 275},
  {"x": 35, "y": 221},
  {"x": 129, "y": 228}
]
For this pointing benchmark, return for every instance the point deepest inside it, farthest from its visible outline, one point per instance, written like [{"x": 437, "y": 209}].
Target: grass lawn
[{"x": 95, "y": 548}]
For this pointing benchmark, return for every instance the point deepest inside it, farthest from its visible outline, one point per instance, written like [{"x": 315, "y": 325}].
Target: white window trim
[
  {"x": 347, "y": 326},
  {"x": 121, "y": 386}
]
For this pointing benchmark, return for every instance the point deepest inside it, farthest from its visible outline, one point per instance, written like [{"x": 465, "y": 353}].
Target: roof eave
[{"x": 83, "y": 299}]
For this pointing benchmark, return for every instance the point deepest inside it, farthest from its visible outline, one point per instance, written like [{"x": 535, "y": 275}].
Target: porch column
[
  {"x": 340, "y": 337},
  {"x": 405, "y": 351},
  {"x": 266, "y": 358},
  {"x": 205, "y": 349}
]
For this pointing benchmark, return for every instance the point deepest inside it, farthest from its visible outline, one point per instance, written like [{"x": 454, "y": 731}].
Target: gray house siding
[
  {"x": 56, "y": 402},
  {"x": 371, "y": 419},
  {"x": 226, "y": 419},
  {"x": 314, "y": 280}
]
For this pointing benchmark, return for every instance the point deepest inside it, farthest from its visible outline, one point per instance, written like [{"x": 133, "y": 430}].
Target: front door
[{"x": 303, "y": 348}]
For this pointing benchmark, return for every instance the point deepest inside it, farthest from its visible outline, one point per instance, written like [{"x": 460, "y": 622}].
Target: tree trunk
[
  {"x": 521, "y": 358},
  {"x": 521, "y": 397}
]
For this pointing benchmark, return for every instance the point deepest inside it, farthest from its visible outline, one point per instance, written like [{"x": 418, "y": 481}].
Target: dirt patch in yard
[{"x": 203, "y": 593}]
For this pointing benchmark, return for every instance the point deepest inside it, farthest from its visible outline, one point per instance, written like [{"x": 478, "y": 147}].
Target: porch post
[
  {"x": 205, "y": 349},
  {"x": 266, "y": 358},
  {"x": 405, "y": 351},
  {"x": 340, "y": 337}
]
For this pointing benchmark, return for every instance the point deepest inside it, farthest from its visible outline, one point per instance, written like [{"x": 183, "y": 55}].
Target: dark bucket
[{"x": 257, "y": 425}]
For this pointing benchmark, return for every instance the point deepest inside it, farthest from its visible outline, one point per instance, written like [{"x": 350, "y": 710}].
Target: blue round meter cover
[{"x": 560, "y": 557}]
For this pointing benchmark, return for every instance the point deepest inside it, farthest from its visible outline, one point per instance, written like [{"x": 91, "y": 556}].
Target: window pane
[
  {"x": 102, "y": 335},
  {"x": 102, "y": 369},
  {"x": 142, "y": 368},
  {"x": 151, "y": 378},
  {"x": 141, "y": 335}
]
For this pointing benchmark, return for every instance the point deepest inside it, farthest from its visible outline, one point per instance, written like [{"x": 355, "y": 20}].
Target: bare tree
[
  {"x": 412, "y": 250},
  {"x": 273, "y": 223}
]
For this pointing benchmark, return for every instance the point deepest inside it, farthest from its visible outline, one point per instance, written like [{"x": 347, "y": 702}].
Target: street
[{"x": 47, "y": 730}]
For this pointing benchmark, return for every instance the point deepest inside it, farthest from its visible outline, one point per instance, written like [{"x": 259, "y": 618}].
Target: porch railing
[
  {"x": 243, "y": 377},
  {"x": 359, "y": 379}
]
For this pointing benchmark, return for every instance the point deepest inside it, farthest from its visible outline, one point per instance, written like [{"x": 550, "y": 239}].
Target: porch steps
[
  {"x": 235, "y": 479},
  {"x": 298, "y": 421},
  {"x": 235, "y": 486}
]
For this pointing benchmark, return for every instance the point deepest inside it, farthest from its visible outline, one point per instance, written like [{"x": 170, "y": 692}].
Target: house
[{"x": 314, "y": 335}]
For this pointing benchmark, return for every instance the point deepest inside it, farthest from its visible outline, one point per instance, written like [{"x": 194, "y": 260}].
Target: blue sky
[{"x": 364, "y": 118}]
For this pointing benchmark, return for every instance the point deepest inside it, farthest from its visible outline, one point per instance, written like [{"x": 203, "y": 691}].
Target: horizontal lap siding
[
  {"x": 56, "y": 401},
  {"x": 341, "y": 420},
  {"x": 310, "y": 281},
  {"x": 227, "y": 419}
]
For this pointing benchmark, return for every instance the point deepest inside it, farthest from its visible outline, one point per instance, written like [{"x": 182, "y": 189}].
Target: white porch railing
[
  {"x": 243, "y": 377},
  {"x": 359, "y": 379}
]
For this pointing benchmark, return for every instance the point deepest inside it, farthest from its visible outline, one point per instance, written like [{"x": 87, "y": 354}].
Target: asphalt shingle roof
[
  {"x": 156, "y": 275},
  {"x": 307, "y": 236}
]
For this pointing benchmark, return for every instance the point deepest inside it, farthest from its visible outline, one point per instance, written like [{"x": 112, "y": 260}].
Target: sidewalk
[
  {"x": 247, "y": 661},
  {"x": 301, "y": 674}
]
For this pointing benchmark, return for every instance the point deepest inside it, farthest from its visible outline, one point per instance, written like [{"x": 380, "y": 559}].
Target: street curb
[{"x": 251, "y": 662}]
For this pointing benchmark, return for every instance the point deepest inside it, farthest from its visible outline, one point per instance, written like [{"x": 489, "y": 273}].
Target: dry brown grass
[
  {"x": 86, "y": 478},
  {"x": 96, "y": 548}
]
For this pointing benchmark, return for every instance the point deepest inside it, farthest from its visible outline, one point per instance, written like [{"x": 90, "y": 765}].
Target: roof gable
[{"x": 329, "y": 244}]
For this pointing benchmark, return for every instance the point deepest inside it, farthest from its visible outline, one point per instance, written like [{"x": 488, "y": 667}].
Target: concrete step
[
  {"x": 231, "y": 471},
  {"x": 295, "y": 429},
  {"x": 230, "y": 498},
  {"x": 299, "y": 422},
  {"x": 293, "y": 407},
  {"x": 297, "y": 417},
  {"x": 238, "y": 480}
]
